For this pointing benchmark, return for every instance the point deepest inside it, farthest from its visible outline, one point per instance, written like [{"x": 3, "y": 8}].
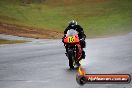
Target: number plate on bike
[{"x": 71, "y": 39}]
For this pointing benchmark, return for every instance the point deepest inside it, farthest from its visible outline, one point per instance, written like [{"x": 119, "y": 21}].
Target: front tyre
[
  {"x": 71, "y": 57},
  {"x": 71, "y": 64}
]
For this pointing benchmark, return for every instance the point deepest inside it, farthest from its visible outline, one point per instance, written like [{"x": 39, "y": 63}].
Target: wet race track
[{"x": 43, "y": 64}]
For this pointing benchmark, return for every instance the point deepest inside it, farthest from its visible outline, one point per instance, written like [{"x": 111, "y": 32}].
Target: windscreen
[{"x": 71, "y": 32}]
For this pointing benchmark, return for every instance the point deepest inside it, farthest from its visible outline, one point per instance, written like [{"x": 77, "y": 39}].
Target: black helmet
[{"x": 72, "y": 23}]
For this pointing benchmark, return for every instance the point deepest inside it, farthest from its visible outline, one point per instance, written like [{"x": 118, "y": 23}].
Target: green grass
[
  {"x": 97, "y": 17},
  {"x": 3, "y": 41}
]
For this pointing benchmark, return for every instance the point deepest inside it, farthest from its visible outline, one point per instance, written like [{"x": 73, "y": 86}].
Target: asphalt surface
[{"x": 43, "y": 64}]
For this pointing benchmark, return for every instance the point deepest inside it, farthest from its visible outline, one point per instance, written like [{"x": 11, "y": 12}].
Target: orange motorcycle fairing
[{"x": 71, "y": 39}]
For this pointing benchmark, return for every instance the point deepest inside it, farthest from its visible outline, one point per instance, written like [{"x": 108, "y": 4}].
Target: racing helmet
[{"x": 72, "y": 23}]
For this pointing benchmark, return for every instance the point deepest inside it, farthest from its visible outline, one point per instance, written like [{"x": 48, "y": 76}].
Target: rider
[{"x": 73, "y": 25}]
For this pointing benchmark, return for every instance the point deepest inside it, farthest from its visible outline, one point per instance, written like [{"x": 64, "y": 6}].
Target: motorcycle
[{"x": 73, "y": 48}]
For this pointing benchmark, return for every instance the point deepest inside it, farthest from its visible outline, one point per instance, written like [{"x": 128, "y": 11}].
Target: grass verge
[
  {"x": 3, "y": 41},
  {"x": 97, "y": 17}
]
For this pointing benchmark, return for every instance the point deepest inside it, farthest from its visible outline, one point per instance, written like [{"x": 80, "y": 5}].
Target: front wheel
[
  {"x": 71, "y": 64},
  {"x": 71, "y": 59}
]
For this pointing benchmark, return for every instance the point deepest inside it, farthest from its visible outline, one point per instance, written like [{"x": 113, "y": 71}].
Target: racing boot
[{"x": 83, "y": 55}]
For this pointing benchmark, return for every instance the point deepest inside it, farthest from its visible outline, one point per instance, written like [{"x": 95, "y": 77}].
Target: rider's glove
[{"x": 82, "y": 39}]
